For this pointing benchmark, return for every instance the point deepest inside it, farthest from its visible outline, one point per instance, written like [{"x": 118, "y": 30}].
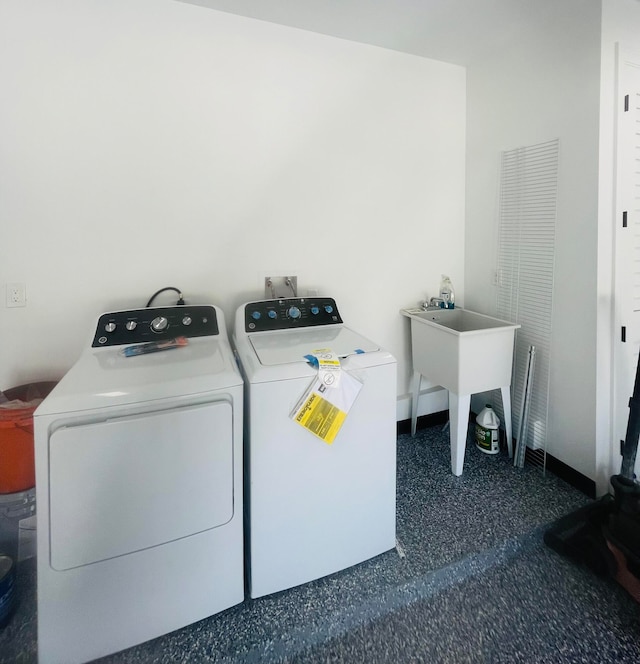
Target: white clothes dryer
[
  {"x": 312, "y": 508},
  {"x": 139, "y": 485}
]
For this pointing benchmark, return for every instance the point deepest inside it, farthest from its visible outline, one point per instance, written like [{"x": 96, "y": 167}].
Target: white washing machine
[
  {"x": 139, "y": 485},
  {"x": 312, "y": 508}
]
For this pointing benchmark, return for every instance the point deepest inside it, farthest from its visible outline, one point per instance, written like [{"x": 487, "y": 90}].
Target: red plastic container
[{"x": 17, "y": 466}]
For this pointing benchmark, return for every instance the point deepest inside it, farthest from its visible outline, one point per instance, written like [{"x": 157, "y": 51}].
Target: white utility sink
[
  {"x": 458, "y": 320},
  {"x": 466, "y": 353}
]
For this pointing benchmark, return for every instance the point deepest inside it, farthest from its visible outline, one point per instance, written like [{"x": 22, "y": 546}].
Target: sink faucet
[{"x": 434, "y": 303}]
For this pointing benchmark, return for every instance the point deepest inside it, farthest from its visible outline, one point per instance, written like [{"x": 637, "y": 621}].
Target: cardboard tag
[{"x": 325, "y": 404}]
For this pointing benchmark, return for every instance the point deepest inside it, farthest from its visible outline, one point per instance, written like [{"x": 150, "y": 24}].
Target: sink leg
[
  {"x": 416, "y": 381},
  {"x": 506, "y": 407},
  {"x": 459, "y": 418}
]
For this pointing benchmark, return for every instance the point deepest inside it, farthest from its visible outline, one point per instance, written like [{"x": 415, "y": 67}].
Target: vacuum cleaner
[{"x": 605, "y": 535}]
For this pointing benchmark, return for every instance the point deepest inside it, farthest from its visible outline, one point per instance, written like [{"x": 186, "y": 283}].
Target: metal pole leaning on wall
[{"x": 521, "y": 440}]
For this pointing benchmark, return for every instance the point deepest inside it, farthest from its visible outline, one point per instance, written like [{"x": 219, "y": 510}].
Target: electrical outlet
[{"x": 16, "y": 295}]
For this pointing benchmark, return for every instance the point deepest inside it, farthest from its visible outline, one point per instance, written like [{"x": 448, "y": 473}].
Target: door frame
[{"x": 623, "y": 373}]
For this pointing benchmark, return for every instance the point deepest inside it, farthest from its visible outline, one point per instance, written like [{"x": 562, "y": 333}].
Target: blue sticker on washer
[{"x": 312, "y": 360}]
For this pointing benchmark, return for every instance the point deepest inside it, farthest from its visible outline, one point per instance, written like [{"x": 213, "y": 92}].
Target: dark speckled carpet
[{"x": 471, "y": 581}]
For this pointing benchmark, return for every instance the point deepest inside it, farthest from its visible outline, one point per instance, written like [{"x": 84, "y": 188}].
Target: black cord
[{"x": 162, "y": 290}]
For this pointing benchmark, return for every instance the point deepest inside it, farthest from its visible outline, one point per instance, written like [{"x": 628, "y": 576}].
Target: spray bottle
[{"x": 446, "y": 293}]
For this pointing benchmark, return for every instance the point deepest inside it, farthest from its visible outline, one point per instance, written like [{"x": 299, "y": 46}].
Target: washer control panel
[
  {"x": 156, "y": 324},
  {"x": 289, "y": 313}
]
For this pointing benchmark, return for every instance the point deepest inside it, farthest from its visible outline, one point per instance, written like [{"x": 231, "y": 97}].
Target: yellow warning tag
[
  {"x": 321, "y": 417},
  {"x": 324, "y": 406}
]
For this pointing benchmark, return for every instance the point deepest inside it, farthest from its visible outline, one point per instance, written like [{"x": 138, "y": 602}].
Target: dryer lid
[
  {"x": 288, "y": 346},
  {"x": 104, "y": 377}
]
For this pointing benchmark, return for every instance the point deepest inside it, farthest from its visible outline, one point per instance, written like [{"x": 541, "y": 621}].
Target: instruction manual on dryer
[{"x": 325, "y": 404}]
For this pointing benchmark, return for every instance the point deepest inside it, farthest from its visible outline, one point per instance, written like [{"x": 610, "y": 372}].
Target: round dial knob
[
  {"x": 315, "y": 310},
  {"x": 110, "y": 327},
  {"x": 293, "y": 312},
  {"x": 158, "y": 324},
  {"x": 131, "y": 325},
  {"x": 186, "y": 320},
  {"x": 255, "y": 315},
  {"x": 328, "y": 308},
  {"x": 272, "y": 314}
]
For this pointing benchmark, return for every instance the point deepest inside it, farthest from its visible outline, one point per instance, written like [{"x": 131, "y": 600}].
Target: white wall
[
  {"x": 545, "y": 87},
  {"x": 149, "y": 143}
]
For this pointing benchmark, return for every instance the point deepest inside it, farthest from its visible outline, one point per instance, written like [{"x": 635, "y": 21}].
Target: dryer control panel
[
  {"x": 155, "y": 324},
  {"x": 290, "y": 313}
]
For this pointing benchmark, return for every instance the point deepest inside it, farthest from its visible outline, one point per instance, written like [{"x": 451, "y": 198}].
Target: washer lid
[{"x": 287, "y": 346}]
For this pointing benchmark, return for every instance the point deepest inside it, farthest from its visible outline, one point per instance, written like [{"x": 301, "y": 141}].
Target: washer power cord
[{"x": 162, "y": 290}]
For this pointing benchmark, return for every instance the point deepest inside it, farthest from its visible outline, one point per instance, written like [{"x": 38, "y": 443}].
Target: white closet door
[{"x": 627, "y": 263}]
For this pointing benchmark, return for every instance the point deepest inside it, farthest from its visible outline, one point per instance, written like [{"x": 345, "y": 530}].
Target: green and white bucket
[{"x": 487, "y": 431}]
